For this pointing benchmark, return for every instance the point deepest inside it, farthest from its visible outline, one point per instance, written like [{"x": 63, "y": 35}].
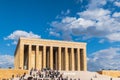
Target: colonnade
[{"x": 53, "y": 57}]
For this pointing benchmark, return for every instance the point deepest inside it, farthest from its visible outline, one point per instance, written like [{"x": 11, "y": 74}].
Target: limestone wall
[
  {"x": 112, "y": 73},
  {"x": 7, "y": 73}
]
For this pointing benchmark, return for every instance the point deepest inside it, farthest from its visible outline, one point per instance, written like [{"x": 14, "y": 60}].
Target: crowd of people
[{"x": 44, "y": 74}]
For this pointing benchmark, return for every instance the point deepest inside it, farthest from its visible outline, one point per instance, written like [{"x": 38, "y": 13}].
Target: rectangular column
[
  {"x": 44, "y": 56},
  {"x": 29, "y": 58},
  {"x": 84, "y": 57},
  {"x": 37, "y": 61},
  {"x": 66, "y": 59},
  {"x": 78, "y": 61},
  {"x": 56, "y": 60},
  {"x": 62, "y": 59},
  {"x": 73, "y": 60},
  {"x": 21, "y": 66},
  {"x": 48, "y": 57},
  {"x": 70, "y": 61},
  {"x": 40, "y": 57},
  {"x": 51, "y": 57},
  {"x": 59, "y": 56}
]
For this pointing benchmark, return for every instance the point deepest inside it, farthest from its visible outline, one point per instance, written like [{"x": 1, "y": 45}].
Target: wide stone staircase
[
  {"x": 85, "y": 75},
  {"x": 77, "y": 75}
]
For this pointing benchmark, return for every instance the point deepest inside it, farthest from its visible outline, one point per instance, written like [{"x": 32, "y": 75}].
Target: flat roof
[{"x": 39, "y": 39}]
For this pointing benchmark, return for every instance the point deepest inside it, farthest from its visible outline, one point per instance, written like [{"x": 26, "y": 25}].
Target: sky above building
[{"x": 96, "y": 22}]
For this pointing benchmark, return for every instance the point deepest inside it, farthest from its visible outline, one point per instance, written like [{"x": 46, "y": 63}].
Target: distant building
[{"x": 57, "y": 55}]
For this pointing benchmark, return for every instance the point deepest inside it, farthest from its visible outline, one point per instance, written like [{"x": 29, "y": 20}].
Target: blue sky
[{"x": 96, "y": 22}]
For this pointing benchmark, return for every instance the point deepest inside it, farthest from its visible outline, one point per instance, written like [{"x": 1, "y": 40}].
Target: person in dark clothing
[
  {"x": 30, "y": 78},
  {"x": 110, "y": 78},
  {"x": 12, "y": 77},
  {"x": 31, "y": 71},
  {"x": 91, "y": 79}
]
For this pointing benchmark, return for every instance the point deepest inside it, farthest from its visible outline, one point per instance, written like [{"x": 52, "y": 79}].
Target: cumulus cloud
[
  {"x": 6, "y": 61},
  {"x": 114, "y": 36},
  {"x": 96, "y": 4},
  {"x": 116, "y": 14},
  {"x": 93, "y": 22},
  {"x": 54, "y": 34},
  {"x": 19, "y": 33},
  {"x": 104, "y": 59},
  {"x": 94, "y": 14},
  {"x": 117, "y": 4}
]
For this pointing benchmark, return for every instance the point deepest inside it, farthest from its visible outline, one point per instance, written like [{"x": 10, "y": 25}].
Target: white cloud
[
  {"x": 99, "y": 26},
  {"x": 116, "y": 14},
  {"x": 68, "y": 19},
  {"x": 81, "y": 22},
  {"x": 95, "y": 14},
  {"x": 102, "y": 41},
  {"x": 93, "y": 22},
  {"x": 104, "y": 59},
  {"x": 6, "y": 61},
  {"x": 96, "y": 4},
  {"x": 19, "y": 33},
  {"x": 114, "y": 36},
  {"x": 54, "y": 34},
  {"x": 63, "y": 14},
  {"x": 117, "y": 4}
]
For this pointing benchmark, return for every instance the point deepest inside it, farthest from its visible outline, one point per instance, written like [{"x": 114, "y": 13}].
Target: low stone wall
[
  {"x": 112, "y": 73},
  {"x": 7, "y": 73}
]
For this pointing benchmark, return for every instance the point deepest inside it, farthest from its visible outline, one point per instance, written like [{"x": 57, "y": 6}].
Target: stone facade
[
  {"x": 112, "y": 73},
  {"x": 7, "y": 73},
  {"x": 57, "y": 55}
]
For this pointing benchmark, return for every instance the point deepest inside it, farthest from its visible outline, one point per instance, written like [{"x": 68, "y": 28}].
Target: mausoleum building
[{"x": 53, "y": 54}]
